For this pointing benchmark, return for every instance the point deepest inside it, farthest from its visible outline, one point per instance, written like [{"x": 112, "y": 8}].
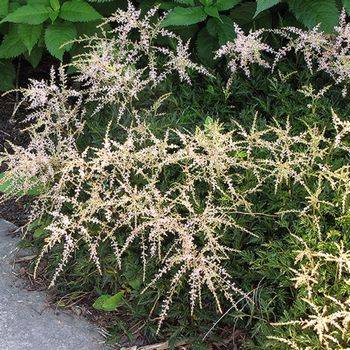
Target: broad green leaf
[
  {"x": 55, "y": 4},
  {"x": 35, "y": 56},
  {"x": 98, "y": 304},
  {"x": 30, "y": 14},
  {"x": 4, "y": 8},
  {"x": 112, "y": 303},
  {"x": 223, "y": 5},
  {"x": 29, "y": 34},
  {"x": 12, "y": 45},
  {"x": 346, "y": 4},
  {"x": 58, "y": 37},
  {"x": 184, "y": 16},
  {"x": 263, "y": 5},
  {"x": 78, "y": 11},
  {"x": 313, "y": 12},
  {"x": 212, "y": 11},
  {"x": 109, "y": 303},
  {"x": 53, "y": 15},
  {"x": 7, "y": 75},
  {"x": 223, "y": 29},
  {"x": 243, "y": 13}
]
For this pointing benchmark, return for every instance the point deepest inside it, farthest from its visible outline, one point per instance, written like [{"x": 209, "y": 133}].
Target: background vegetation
[
  {"x": 291, "y": 137},
  {"x": 33, "y": 28}
]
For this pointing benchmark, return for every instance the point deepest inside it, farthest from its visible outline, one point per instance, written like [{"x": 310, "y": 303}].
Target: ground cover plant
[{"x": 212, "y": 209}]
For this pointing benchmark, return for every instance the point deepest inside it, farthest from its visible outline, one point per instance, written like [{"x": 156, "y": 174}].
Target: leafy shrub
[
  {"x": 30, "y": 28},
  {"x": 211, "y": 21},
  {"x": 247, "y": 211}
]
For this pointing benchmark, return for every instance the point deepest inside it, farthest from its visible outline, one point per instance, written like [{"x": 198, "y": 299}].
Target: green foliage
[
  {"x": 313, "y": 12},
  {"x": 248, "y": 15},
  {"x": 30, "y": 14},
  {"x": 4, "y": 8},
  {"x": 185, "y": 16},
  {"x": 262, "y": 5},
  {"x": 264, "y": 262},
  {"x": 8, "y": 186},
  {"x": 32, "y": 27},
  {"x": 107, "y": 302},
  {"x": 59, "y": 37},
  {"x": 27, "y": 26},
  {"x": 29, "y": 35},
  {"x": 78, "y": 11},
  {"x": 12, "y": 45}
]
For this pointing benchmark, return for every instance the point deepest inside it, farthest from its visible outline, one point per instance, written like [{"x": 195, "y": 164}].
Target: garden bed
[{"x": 204, "y": 206}]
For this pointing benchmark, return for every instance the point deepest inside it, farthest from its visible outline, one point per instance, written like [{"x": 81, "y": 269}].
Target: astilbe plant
[
  {"x": 119, "y": 193},
  {"x": 128, "y": 59},
  {"x": 329, "y": 53},
  {"x": 318, "y": 274}
]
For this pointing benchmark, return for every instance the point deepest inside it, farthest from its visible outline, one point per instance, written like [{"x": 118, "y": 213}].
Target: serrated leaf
[
  {"x": 212, "y": 11},
  {"x": 223, "y": 5},
  {"x": 4, "y": 8},
  {"x": 7, "y": 75},
  {"x": 34, "y": 57},
  {"x": 180, "y": 16},
  {"x": 58, "y": 37},
  {"x": 53, "y": 15},
  {"x": 313, "y": 12},
  {"x": 262, "y": 5},
  {"x": 29, "y": 34},
  {"x": 12, "y": 45},
  {"x": 55, "y": 4},
  {"x": 78, "y": 11},
  {"x": 30, "y": 14}
]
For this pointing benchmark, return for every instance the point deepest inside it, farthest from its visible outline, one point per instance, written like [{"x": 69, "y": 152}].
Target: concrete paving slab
[{"x": 26, "y": 323}]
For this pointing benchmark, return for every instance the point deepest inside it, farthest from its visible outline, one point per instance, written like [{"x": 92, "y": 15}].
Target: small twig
[{"x": 24, "y": 259}]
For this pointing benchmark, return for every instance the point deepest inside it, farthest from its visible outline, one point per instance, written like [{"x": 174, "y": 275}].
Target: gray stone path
[{"x": 26, "y": 323}]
